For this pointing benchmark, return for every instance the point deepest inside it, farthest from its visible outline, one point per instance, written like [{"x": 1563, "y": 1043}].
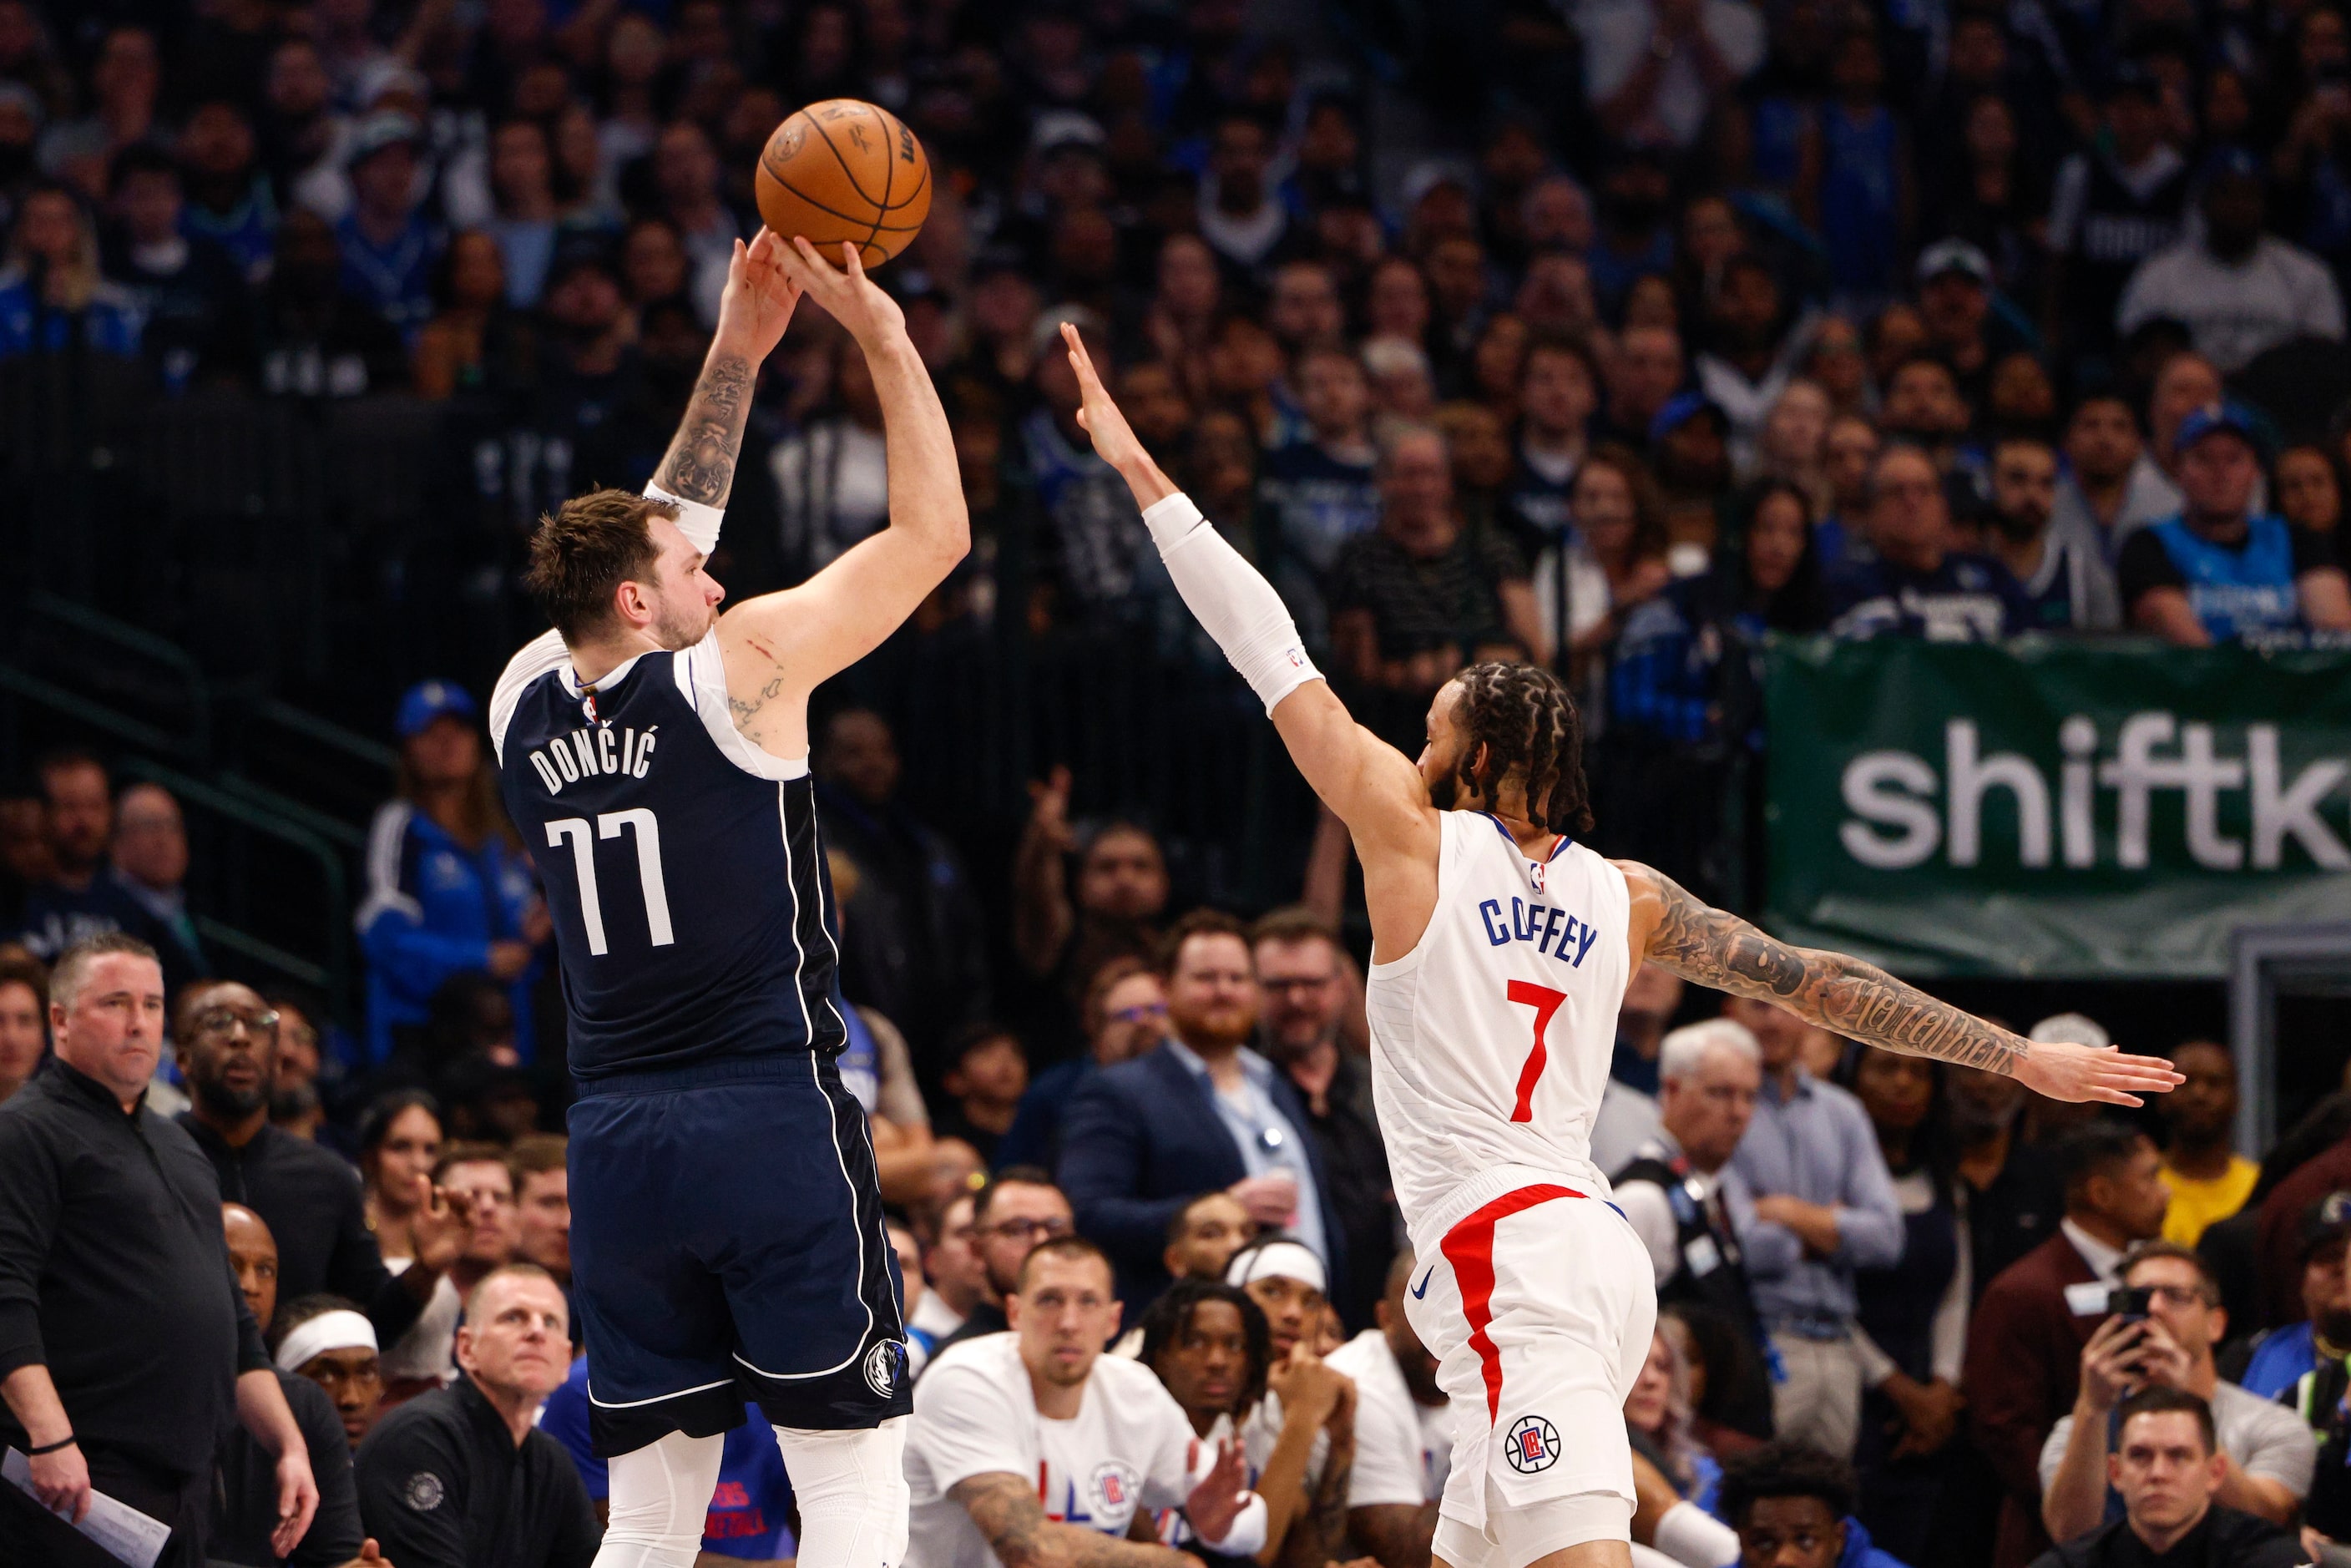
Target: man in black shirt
[
  {"x": 249, "y": 1486},
  {"x": 2167, "y": 1465},
  {"x": 125, "y": 1345},
  {"x": 462, "y": 1478},
  {"x": 308, "y": 1195},
  {"x": 1297, "y": 970}
]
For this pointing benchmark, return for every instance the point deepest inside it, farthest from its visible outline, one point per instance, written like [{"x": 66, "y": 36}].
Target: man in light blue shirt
[{"x": 1824, "y": 1207}]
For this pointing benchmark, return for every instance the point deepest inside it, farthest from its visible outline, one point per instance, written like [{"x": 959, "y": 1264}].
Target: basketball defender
[
  {"x": 726, "y": 1237},
  {"x": 1500, "y": 950}
]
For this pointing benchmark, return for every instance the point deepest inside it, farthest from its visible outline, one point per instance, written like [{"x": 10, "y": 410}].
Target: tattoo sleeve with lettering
[
  {"x": 700, "y": 464},
  {"x": 1008, "y": 1515},
  {"x": 1858, "y": 1000}
]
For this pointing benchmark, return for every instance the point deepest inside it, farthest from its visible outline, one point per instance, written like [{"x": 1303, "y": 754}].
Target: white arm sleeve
[
  {"x": 698, "y": 522},
  {"x": 1691, "y": 1535},
  {"x": 1231, "y": 599}
]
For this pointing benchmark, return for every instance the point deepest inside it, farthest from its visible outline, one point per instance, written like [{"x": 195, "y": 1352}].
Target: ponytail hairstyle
[{"x": 1527, "y": 723}]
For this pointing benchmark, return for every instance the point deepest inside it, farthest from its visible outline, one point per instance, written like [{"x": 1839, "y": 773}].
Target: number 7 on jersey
[{"x": 1545, "y": 1002}]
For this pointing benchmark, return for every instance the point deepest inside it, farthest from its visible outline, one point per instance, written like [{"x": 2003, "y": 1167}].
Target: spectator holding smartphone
[{"x": 2167, "y": 1317}]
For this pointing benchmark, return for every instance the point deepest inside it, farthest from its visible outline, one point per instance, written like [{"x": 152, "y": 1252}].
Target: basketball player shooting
[
  {"x": 726, "y": 1237},
  {"x": 1500, "y": 950}
]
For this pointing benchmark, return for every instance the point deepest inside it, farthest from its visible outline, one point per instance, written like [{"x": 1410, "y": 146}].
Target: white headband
[
  {"x": 1288, "y": 1259},
  {"x": 338, "y": 1330}
]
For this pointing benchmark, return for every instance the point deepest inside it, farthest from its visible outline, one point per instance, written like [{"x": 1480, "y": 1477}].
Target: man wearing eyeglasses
[
  {"x": 1301, "y": 974},
  {"x": 2167, "y": 1340},
  {"x": 1018, "y": 1209},
  {"x": 304, "y": 1192}
]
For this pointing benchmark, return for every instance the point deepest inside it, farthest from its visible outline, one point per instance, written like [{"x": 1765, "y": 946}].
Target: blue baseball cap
[
  {"x": 2215, "y": 417},
  {"x": 430, "y": 700},
  {"x": 1679, "y": 409}
]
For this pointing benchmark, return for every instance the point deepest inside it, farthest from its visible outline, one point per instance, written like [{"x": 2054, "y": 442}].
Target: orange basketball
[{"x": 845, "y": 170}]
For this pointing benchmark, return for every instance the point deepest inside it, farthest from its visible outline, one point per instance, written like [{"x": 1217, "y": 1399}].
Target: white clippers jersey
[{"x": 1491, "y": 1039}]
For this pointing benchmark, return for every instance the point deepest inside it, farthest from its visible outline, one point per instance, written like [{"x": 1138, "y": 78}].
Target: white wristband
[
  {"x": 697, "y": 521},
  {"x": 1247, "y": 1536}
]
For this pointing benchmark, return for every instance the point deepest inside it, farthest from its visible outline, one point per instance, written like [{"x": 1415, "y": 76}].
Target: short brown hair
[
  {"x": 517, "y": 1270},
  {"x": 592, "y": 545},
  {"x": 2148, "y": 1251},
  {"x": 73, "y": 964},
  {"x": 1075, "y": 1249},
  {"x": 1292, "y": 923},
  {"x": 536, "y": 1154},
  {"x": 1199, "y": 923},
  {"x": 23, "y": 969},
  {"x": 476, "y": 1154}
]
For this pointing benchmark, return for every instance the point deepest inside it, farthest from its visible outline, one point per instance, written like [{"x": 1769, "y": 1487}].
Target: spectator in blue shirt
[
  {"x": 1824, "y": 1207},
  {"x": 51, "y": 293},
  {"x": 2220, "y": 572},
  {"x": 450, "y": 890},
  {"x": 750, "y": 1507},
  {"x": 1793, "y": 1507},
  {"x": 1918, "y": 585},
  {"x": 386, "y": 246},
  {"x": 1320, "y": 490}
]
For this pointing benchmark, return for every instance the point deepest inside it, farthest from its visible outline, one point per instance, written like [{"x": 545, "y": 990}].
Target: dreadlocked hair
[{"x": 1528, "y": 725}]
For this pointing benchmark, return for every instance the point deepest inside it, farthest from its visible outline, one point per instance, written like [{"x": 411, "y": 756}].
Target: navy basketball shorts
[{"x": 728, "y": 1246}]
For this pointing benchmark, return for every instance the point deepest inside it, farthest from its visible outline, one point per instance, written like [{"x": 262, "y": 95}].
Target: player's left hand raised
[
  {"x": 758, "y": 300},
  {"x": 2093, "y": 1073},
  {"x": 1217, "y": 1501}
]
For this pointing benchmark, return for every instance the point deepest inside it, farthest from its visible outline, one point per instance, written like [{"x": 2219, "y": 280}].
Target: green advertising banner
[{"x": 2055, "y": 807}]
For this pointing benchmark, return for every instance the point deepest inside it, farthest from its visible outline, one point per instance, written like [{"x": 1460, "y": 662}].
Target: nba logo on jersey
[
  {"x": 1535, "y": 874},
  {"x": 1533, "y": 1445}
]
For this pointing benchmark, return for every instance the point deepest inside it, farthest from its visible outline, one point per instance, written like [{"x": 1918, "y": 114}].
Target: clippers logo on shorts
[
  {"x": 881, "y": 1365},
  {"x": 1111, "y": 1491},
  {"x": 1533, "y": 1445},
  {"x": 423, "y": 1492}
]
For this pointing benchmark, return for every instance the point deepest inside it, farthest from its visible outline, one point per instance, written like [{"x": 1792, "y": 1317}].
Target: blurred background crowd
[{"x": 1620, "y": 334}]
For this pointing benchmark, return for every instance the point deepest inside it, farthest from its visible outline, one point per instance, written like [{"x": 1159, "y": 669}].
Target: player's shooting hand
[
  {"x": 758, "y": 303},
  {"x": 1217, "y": 1501},
  {"x": 1097, "y": 413},
  {"x": 2080, "y": 1072},
  {"x": 850, "y": 297},
  {"x": 298, "y": 1499}
]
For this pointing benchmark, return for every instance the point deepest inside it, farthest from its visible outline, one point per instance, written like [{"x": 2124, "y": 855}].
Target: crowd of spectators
[{"x": 1691, "y": 323}]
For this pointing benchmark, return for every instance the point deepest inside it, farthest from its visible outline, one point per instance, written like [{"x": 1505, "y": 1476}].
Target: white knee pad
[
  {"x": 851, "y": 1491},
  {"x": 660, "y": 1499}
]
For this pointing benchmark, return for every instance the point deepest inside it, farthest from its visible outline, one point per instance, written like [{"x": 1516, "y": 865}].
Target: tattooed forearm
[
  {"x": 700, "y": 464},
  {"x": 1855, "y": 999},
  {"x": 1008, "y": 1515}
]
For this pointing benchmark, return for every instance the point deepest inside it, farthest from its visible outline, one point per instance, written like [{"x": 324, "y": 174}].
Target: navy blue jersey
[{"x": 689, "y": 893}]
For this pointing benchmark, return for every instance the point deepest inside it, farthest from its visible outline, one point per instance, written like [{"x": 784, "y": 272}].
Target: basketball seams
[
  {"x": 855, "y": 184},
  {"x": 877, "y": 221},
  {"x": 889, "y": 183}
]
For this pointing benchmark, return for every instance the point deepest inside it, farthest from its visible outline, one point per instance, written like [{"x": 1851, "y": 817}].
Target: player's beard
[{"x": 680, "y": 629}]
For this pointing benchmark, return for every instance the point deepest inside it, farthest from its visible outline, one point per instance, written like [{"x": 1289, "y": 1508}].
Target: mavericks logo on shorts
[
  {"x": 1533, "y": 1445},
  {"x": 882, "y": 1364}
]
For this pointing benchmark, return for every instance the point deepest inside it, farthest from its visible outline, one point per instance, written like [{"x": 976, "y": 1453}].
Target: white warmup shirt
[
  {"x": 1128, "y": 1446},
  {"x": 1403, "y": 1449}
]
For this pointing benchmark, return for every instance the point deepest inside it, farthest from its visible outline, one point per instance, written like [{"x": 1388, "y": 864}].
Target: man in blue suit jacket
[{"x": 1201, "y": 1113}]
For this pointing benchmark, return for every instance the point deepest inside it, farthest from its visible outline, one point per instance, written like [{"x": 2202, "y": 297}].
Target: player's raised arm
[
  {"x": 783, "y": 645},
  {"x": 1680, "y": 934},
  {"x": 698, "y": 470},
  {"x": 1373, "y": 787}
]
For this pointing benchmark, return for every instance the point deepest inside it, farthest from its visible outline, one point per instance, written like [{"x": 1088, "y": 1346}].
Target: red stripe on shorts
[{"x": 1470, "y": 1248}]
